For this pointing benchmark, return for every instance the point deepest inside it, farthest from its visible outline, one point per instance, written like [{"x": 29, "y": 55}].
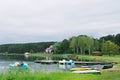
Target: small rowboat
[
  {"x": 86, "y": 71},
  {"x": 76, "y": 69}
]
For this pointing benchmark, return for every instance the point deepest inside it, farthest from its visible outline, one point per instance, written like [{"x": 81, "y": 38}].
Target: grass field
[{"x": 105, "y": 75}]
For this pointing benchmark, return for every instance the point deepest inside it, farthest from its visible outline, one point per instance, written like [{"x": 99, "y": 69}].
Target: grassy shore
[
  {"x": 105, "y": 75},
  {"x": 106, "y": 58},
  {"x": 114, "y": 59}
]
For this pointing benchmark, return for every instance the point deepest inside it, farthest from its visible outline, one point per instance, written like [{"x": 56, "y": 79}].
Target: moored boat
[
  {"x": 66, "y": 64},
  {"x": 19, "y": 65}
]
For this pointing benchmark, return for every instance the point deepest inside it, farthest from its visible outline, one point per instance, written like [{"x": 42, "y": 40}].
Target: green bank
[{"x": 105, "y": 75}]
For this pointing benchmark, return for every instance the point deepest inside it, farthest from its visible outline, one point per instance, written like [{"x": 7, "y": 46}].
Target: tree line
[
  {"x": 84, "y": 44},
  {"x": 81, "y": 44},
  {"x": 26, "y": 47}
]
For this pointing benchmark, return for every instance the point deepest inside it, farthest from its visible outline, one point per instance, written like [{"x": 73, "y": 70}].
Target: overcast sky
[{"x": 24, "y": 21}]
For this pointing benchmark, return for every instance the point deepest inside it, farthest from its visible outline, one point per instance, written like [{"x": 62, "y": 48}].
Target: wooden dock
[
  {"x": 46, "y": 61},
  {"x": 106, "y": 64}
]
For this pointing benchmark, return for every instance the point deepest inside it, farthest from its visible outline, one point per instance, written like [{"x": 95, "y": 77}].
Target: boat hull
[
  {"x": 75, "y": 69},
  {"x": 86, "y": 71}
]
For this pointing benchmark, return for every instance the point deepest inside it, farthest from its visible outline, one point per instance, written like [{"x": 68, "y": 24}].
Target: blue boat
[{"x": 22, "y": 66}]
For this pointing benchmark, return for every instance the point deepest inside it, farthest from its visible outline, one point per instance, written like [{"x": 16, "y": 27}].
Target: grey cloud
[{"x": 44, "y": 20}]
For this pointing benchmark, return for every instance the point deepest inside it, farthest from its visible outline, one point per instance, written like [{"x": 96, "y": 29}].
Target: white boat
[
  {"x": 86, "y": 71},
  {"x": 66, "y": 64}
]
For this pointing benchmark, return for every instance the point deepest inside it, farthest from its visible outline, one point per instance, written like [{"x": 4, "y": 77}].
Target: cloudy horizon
[{"x": 24, "y": 21}]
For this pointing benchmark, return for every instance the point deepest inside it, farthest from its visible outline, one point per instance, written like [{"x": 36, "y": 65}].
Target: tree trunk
[
  {"x": 89, "y": 51},
  {"x": 81, "y": 51},
  {"x": 77, "y": 50},
  {"x": 84, "y": 51}
]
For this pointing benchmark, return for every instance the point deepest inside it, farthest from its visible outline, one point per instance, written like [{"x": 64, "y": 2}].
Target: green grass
[
  {"x": 23, "y": 75},
  {"x": 114, "y": 59}
]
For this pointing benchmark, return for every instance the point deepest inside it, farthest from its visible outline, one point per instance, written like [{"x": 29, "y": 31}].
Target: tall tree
[
  {"x": 110, "y": 48},
  {"x": 57, "y": 48},
  {"x": 108, "y": 37},
  {"x": 117, "y": 39},
  {"x": 74, "y": 44},
  {"x": 82, "y": 43},
  {"x": 96, "y": 45},
  {"x": 65, "y": 46},
  {"x": 89, "y": 44}
]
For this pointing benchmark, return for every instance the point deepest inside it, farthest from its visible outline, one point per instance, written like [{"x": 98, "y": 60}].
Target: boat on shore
[
  {"x": 95, "y": 65},
  {"x": 77, "y": 69},
  {"x": 86, "y": 71}
]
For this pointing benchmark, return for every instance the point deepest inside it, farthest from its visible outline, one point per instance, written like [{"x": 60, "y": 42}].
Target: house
[{"x": 49, "y": 49}]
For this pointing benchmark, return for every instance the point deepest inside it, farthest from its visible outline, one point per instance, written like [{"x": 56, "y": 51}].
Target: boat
[
  {"x": 66, "y": 64},
  {"x": 96, "y": 65},
  {"x": 76, "y": 69},
  {"x": 106, "y": 66},
  {"x": 18, "y": 65},
  {"x": 86, "y": 71}
]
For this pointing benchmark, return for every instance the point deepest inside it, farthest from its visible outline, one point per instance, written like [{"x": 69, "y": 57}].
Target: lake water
[{"x": 4, "y": 65}]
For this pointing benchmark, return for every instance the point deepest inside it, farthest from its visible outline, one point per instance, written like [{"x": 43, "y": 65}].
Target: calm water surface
[{"x": 4, "y": 65}]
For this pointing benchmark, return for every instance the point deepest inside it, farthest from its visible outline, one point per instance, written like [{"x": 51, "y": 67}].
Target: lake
[
  {"x": 11, "y": 59},
  {"x": 5, "y": 61}
]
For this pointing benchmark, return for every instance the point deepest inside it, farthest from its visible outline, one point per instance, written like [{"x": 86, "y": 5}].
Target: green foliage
[
  {"x": 61, "y": 47},
  {"x": 110, "y": 48},
  {"x": 112, "y": 38},
  {"x": 96, "y": 46},
  {"x": 65, "y": 46},
  {"x": 89, "y": 44},
  {"x": 117, "y": 39},
  {"x": 84, "y": 44},
  {"x": 27, "y": 47},
  {"x": 108, "y": 37},
  {"x": 81, "y": 44},
  {"x": 57, "y": 47},
  {"x": 74, "y": 44}
]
